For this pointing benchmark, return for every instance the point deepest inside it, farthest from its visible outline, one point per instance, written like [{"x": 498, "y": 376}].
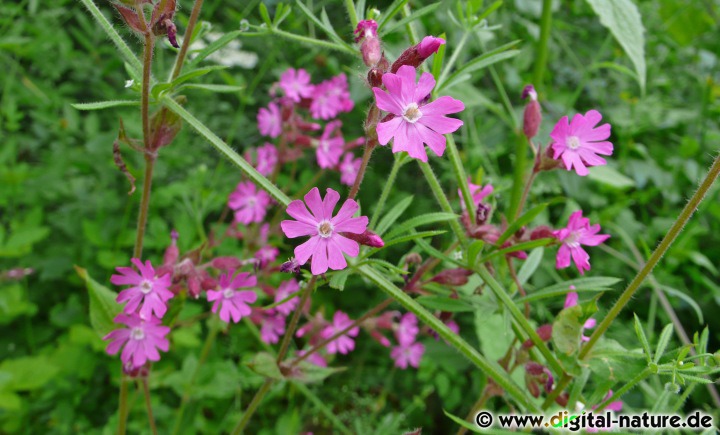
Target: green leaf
[
  {"x": 28, "y": 373},
  {"x": 14, "y": 303},
  {"x": 438, "y": 59},
  {"x": 595, "y": 284},
  {"x": 491, "y": 57},
  {"x": 392, "y": 215},
  {"x": 469, "y": 426},
  {"x": 392, "y": 10},
  {"x": 265, "y": 15},
  {"x": 665, "y": 336},
  {"x": 444, "y": 303},
  {"x": 309, "y": 373},
  {"x": 689, "y": 300},
  {"x": 265, "y": 365},
  {"x": 520, "y": 222},
  {"x": 219, "y": 89},
  {"x": 425, "y": 219},
  {"x": 473, "y": 251},
  {"x": 610, "y": 177},
  {"x": 165, "y": 87},
  {"x": 410, "y": 18},
  {"x": 105, "y": 104},
  {"x": 623, "y": 20},
  {"x": 567, "y": 330},
  {"x": 103, "y": 307},
  {"x": 530, "y": 265},
  {"x": 338, "y": 279},
  {"x": 640, "y": 332},
  {"x": 324, "y": 24},
  {"x": 519, "y": 247}
]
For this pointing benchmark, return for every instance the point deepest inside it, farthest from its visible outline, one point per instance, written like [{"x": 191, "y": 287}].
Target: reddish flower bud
[
  {"x": 164, "y": 126},
  {"x": 532, "y": 117},
  {"x": 534, "y": 368},
  {"x": 532, "y": 386},
  {"x": 368, "y": 238},
  {"x": 545, "y": 332},
  {"x": 171, "y": 253},
  {"x": 417, "y": 54},
  {"x": 452, "y": 277},
  {"x": 541, "y": 232},
  {"x": 562, "y": 399},
  {"x": 193, "y": 285},
  {"x": 413, "y": 258},
  {"x": 366, "y": 29},
  {"x": 226, "y": 263},
  {"x": 429, "y": 46}
]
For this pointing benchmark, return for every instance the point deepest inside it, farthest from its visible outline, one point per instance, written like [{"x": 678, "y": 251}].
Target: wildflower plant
[{"x": 281, "y": 250}]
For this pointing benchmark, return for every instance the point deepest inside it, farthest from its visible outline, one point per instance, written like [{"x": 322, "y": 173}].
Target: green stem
[
  {"x": 148, "y": 405},
  {"x": 507, "y": 104},
  {"x": 542, "y": 48},
  {"x": 186, "y": 40},
  {"x": 310, "y": 41},
  {"x": 491, "y": 368},
  {"x": 352, "y": 13},
  {"x": 290, "y": 332},
  {"x": 664, "y": 245},
  {"x": 519, "y": 169},
  {"x": 144, "y": 206},
  {"x": 123, "y": 406},
  {"x": 389, "y": 184},
  {"x": 442, "y": 199},
  {"x": 460, "y": 175},
  {"x": 114, "y": 36},
  {"x": 369, "y": 147},
  {"x": 221, "y": 146},
  {"x": 625, "y": 388},
  {"x": 204, "y": 353},
  {"x": 252, "y": 407}
]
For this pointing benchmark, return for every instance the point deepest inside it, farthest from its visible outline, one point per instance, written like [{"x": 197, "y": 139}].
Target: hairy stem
[
  {"x": 625, "y": 388},
  {"x": 148, "y": 405},
  {"x": 369, "y": 147},
  {"x": 144, "y": 206},
  {"x": 442, "y": 199},
  {"x": 542, "y": 47},
  {"x": 186, "y": 39}
]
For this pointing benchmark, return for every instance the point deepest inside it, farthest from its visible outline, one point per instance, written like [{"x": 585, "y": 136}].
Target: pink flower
[
  {"x": 344, "y": 343},
  {"x": 407, "y": 329},
  {"x": 415, "y": 123},
  {"x": 330, "y": 98},
  {"x": 232, "y": 303},
  {"x": 580, "y": 142},
  {"x": 142, "y": 338},
  {"x": 273, "y": 326},
  {"x": 326, "y": 246},
  {"x": 267, "y": 158},
  {"x": 270, "y": 121},
  {"x": 570, "y": 301},
  {"x": 578, "y": 232},
  {"x": 266, "y": 255},
  {"x": 366, "y": 29},
  {"x": 478, "y": 192},
  {"x": 146, "y": 288},
  {"x": 296, "y": 84},
  {"x": 249, "y": 202},
  {"x": 429, "y": 46},
  {"x": 407, "y": 354},
  {"x": 329, "y": 149},
  {"x": 286, "y": 289},
  {"x": 349, "y": 168}
]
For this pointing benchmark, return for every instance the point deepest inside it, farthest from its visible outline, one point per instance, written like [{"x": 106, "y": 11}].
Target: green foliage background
[{"x": 63, "y": 203}]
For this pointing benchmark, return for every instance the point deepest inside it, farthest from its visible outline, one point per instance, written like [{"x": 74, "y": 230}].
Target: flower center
[
  {"x": 145, "y": 287},
  {"x": 573, "y": 142},
  {"x": 572, "y": 239},
  {"x": 325, "y": 229},
  {"x": 137, "y": 334},
  {"x": 251, "y": 201},
  {"x": 228, "y": 293},
  {"x": 412, "y": 113}
]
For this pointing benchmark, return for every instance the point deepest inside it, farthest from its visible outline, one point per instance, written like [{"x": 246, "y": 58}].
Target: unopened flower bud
[
  {"x": 366, "y": 32},
  {"x": 368, "y": 238},
  {"x": 380, "y": 338},
  {"x": 374, "y": 77},
  {"x": 532, "y": 117},
  {"x": 482, "y": 213},
  {"x": 452, "y": 277},
  {"x": 417, "y": 54},
  {"x": 413, "y": 258},
  {"x": 171, "y": 253},
  {"x": 226, "y": 263},
  {"x": 541, "y": 232},
  {"x": 534, "y": 368},
  {"x": 194, "y": 287},
  {"x": 290, "y": 266},
  {"x": 562, "y": 399},
  {"x": 545, "y": 332}
]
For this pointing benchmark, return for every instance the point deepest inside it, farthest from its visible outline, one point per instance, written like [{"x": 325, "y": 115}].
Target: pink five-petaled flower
[
  {"x": 578, "y": 232},
  {"x": 415, "y": 122},
  {"x": 330, "y": 145},
  {"x": 326, "y": 246},
  {"x": 579, "y": 142},
  {"x": 330, "y": 98},
  {"x": 284, "y": 290},
  {"x": 148, "y": 289},
  {"x": 249, "y": 202},
  {"x": 407, "y": 354},
  {"x": 267, "y": 158},
  {"x": 344, "y": 343},
  {"x": 273, "y": 325},
  {"x": 270, "y": 120},
  {"x": 349, "y": 167},
  {"x": 407, "y": 329},
  {"x": 478, "y": 192},
  {"x": 570, "y": 301},
  {"x": 142, "y": 338},
  {"x": 296, "y": 84},
  {"x": 231, "y": 302}
]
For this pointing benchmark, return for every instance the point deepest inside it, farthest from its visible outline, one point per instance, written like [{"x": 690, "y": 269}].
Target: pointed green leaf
[
  {"x": 640, "y": 332},
  {"x": 425, "y": 219},
  {"x": 392, "y": 215},
  {"x": 105, "y": 104},
  {"x": 663, "y": 342},
  {"x": 103, "y": 307}
]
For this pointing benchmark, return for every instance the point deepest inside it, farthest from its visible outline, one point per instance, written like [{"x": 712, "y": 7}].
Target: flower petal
[
  {"x": 329, "y": 203},
  {"x": 314, "y": 203},
  {"x": 388, "y": 129},
  {"x": 319, "y": 263},
  {"x": 294, "y": 229},
  {"x": 297, "y": 210},
  {"x": 387, "y": 102},
  {"x": 348, "y": 209},
  {"x": 306, "y": 250},
  {"x": 442, "y": 106}
]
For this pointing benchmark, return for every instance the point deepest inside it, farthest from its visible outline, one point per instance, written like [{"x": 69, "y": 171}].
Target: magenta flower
[
  {"x": 570, "y": 301},
  {"x": 415, "y": 123},
  {"x": 231, "y": 302},
  {"x": 330, "y": 98},
  {"x": 273, "y": 326},
  {"x": 429, "y": 46},
  {"x": 270, "y": 121},
  {"x": 142, "y": 338},
  {"x": 349, "y": 168},
  {"x": 146, "y": 288},
  {"x": 407, "y": 329},
  {"x": 267, "y": 158},
  {"x": 266, "y": 255},
  {"x": 478, "y": 192},
  {"x": 284, "y": 290},
  {"x": 330, "y": 145},
  {"x": 296, "y": 84},
  {"x": 578, "y": 232},
  {"x": 579, "y": 142},
  {"x": 344, "y": 343},
  {"x": 408, "y": 354},
  {"x": 326, "y": 246},
  {"x": 249, "y": 202}
]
